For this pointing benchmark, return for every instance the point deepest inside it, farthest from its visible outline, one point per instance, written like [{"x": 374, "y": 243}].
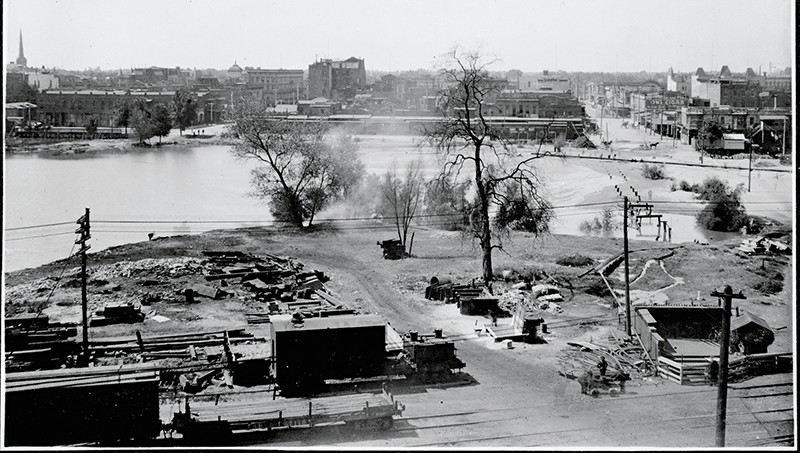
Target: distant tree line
[{"x": 150, "y": 120}]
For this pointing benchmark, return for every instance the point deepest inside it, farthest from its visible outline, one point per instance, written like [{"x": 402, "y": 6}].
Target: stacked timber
[
  {"x": 33, "y": 342},
  {"x": 268, "y": 277},
  {"x": 181, "y": 345},
  {"x": 117, "y": 313},
  {"x": 80, "y": 377},
  {"x": 749, "y": 366},
  {"x": 393, "y": 249}
]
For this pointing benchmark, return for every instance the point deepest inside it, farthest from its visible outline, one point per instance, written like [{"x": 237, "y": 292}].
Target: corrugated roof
[
  {"x": 746, "y": 319},
  {"x": 283, "y": 323},
  {"x": 733, "y": 137},
  {"x": 20, "y": 105}
]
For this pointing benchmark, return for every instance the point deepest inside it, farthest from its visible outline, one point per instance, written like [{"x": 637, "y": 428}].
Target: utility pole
[
  {"x": 724, "y": 347},
  {"x": 83, "y": 230},
  {"x": 783, "y": 141},
  {"x": 750, "y": 169},
  {"x": 627, "y": 277}
]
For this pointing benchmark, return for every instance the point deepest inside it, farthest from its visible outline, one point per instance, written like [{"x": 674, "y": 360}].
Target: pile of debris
[
  {"x": 268, "y": 279},
  {"x": 117, "y": 313},
  {"x": 442, "y": 288},
  {"x": 152, "y": 267},
  {"x": 624, "y": 357},
  {"x": 763, "y": 245},
  {"x": 393, "y": 249},
  {"x": 33, "y": 342},
  {"x": 538, "y": 297},
  {"x": 583, "y": 142}
]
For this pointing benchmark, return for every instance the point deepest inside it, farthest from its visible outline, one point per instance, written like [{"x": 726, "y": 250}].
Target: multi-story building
[
  {"x": 336, "y": 80},
  {"x": 678, "y": 83},
  {"x": 537, "y": 104},
  {"x": 726, "y": 88},
  {"x": 733, "y": 120},
  {"x": 543, "y": 82},
  {"x": 275, "y": 85},
  {"x": 776, "y": 82},
  {"x": 74, "y": 108}
]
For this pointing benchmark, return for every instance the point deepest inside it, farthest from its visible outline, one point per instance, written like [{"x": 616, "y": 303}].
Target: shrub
[
  {"x": 768, "y": 286},
  {"x": 597, "y": 288},
  {"x": 654, "y": 172},
  {"x": 576, "y": 260},
  {"x": 606, "y": 222},
  {"x": 725, "y": 211}
]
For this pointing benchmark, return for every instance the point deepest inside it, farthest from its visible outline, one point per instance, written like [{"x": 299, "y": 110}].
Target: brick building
[
  {"x": 275, "y": 85},
  {"x": 538, "y": 104},
  {"x": 336, "y": 80},
  {"x": 74, "y": 108},
  {"x": 726, "y": 88}
]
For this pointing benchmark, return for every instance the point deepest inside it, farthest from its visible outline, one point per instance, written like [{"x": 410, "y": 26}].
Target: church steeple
[{"x": 21, "y": 60}]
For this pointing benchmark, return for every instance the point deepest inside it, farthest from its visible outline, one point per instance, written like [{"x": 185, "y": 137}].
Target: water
[
  {"x": 180, "y": 184},
  {"x": 206, "y": 184}
]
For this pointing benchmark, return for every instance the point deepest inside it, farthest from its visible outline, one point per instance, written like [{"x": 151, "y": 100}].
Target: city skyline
[{"x": 608, "y": 36}]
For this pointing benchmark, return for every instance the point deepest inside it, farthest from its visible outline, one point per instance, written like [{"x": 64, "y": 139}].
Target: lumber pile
[
  {"x": 393, "y": 249},
  {"x": 749, "y": 366},
  {"x": 33, "y": 342},
  {"x": 117, "y": 313},
  {"x": 181, "y": 345},
  {"x": 268, "y": 278},
  {"x": 80, "y": 377}
]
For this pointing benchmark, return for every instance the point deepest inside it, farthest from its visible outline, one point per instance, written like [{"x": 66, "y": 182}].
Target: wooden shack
[
  {"x": 751, "y": 334},
  {"x": 310, "y": 351}
]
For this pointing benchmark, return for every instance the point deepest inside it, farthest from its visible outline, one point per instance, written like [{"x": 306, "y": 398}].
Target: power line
[
  {"x": 39, "y": 226},
  {"x": 228, "y": 221}
]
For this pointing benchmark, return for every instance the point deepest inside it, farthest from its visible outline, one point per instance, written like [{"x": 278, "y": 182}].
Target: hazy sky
[{"x": 573, "y": 35}]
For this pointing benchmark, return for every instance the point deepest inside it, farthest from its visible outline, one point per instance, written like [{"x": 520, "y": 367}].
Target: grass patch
[{"x": 576, "y": 260}]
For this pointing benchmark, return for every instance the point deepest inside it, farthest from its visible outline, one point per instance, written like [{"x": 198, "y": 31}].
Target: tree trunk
[{"x": 486, "y": 231}]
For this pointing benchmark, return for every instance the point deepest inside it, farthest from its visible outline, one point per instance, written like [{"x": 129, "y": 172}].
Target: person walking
[
  {"x": 712, "y": 371},
  {"x": 602, "y": 365}
]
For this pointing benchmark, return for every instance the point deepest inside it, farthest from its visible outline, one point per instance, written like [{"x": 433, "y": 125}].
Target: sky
[{"x": 531, "y": 35}]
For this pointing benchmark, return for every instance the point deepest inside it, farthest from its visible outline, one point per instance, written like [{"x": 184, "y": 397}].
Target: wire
[
  {"x": 272, "y": 222},
  {"x": 38, "y": 226},
  {"x": 64, "y": 268},
  {"x": 39, "y": 236}
]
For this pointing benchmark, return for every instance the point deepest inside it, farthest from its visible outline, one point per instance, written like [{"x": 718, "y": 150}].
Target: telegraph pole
[
  {"x": 724, "y": 346},
  {"x": 750, "y": 169},
  {"x": 627, "y": 277},
  {"x": 83, "y": 230},
  {"x": 626, "y": 206}
]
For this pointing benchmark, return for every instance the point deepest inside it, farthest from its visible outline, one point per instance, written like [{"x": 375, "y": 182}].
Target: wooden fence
[{"x": 645, "y": 325}]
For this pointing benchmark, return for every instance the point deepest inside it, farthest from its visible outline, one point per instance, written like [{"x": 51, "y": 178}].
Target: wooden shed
[
  {"x": 751, "y": 334},
  {"x": 310, "y": 351}
]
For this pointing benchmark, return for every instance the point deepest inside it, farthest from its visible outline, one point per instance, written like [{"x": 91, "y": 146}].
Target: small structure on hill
[
  {"x": 310, "y": 350},
  {"x": 751, "y": 334}
]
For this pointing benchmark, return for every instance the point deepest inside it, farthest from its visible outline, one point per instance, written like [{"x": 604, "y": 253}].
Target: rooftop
[
  {"x": 746, "y": 319},
  {"x": 283, "y": 323}
]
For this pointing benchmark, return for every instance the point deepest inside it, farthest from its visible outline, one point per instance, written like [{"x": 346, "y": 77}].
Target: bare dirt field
[{"x": 517, "y": 399}]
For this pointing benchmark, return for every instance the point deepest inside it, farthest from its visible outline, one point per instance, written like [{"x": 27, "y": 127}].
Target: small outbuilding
[
  {"x": 751, "y": 334},
  {"x": 733, "y": 142}
]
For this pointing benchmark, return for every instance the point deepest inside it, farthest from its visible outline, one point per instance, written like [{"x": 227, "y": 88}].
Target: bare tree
[
  {"x": 464, "y": 136},
  {"x": 303, "y": 170},
  {"x": 401, "y": 197}
]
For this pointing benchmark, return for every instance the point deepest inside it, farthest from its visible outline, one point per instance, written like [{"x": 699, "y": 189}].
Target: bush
[
  {"x": 654, "y": 172},
  {"x": 769, "y": 286},
  {"x": 605, "y": 222},
  {"x": 576, "y": 260},
  {"x": 725, "y": 211},
  {"x": 598, "y": 288}
]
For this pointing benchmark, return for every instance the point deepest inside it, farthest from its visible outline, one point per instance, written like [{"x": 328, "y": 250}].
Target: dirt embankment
[
  {"x": 395, "y": 289},
  {"x": 72, "y": 148}
]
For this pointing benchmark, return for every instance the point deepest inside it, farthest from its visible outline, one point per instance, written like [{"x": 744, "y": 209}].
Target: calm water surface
[{"x": 178, "y": 187}]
